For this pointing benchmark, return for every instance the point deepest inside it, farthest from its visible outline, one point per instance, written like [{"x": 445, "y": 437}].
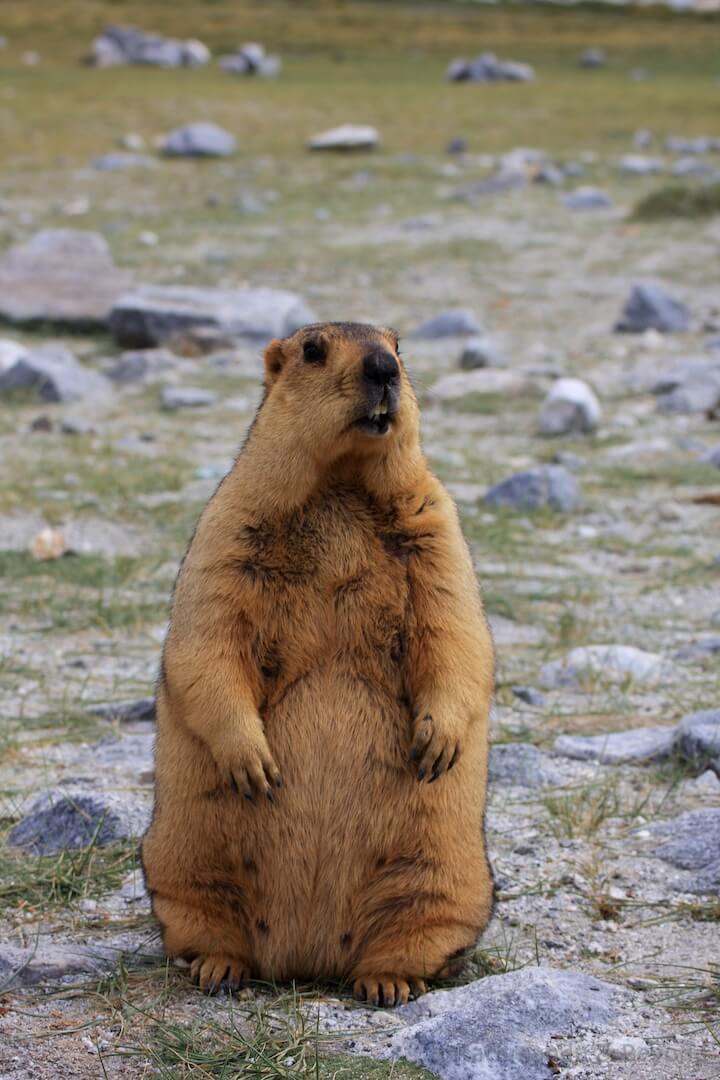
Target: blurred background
[{"x": 530, "y": 194}]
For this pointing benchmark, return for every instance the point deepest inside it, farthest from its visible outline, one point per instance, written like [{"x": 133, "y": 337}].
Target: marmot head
[{"x": 342, "y": 386}]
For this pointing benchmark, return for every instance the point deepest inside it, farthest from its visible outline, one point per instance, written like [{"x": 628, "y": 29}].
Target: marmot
[{"x": 322, "y": 707}]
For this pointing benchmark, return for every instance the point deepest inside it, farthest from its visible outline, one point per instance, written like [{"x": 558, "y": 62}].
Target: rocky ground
[{"x": 599, "y": 562}]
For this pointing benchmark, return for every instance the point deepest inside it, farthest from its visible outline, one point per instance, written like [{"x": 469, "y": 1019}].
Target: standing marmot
[{"x": 328, "y": 659}]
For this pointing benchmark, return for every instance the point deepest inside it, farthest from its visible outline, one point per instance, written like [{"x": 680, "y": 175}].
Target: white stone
[{"x": 571, "y": 405}]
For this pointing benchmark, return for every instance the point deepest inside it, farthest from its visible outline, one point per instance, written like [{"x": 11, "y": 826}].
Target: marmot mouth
[{"x": 378, "y": 420}]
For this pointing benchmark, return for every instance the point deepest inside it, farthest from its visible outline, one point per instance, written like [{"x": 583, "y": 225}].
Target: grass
[{"x": 678, "y": 201}]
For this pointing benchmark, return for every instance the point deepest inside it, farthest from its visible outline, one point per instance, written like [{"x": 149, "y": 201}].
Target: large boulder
[
  {"x": 75, "y": 817},
  {"x": 51, "y": 371},
  {"x": 61, "y": 276},
  {"x": 499, "y": 1028},
  {"x": 570, "y": 406},
  {"x": 547, "y": 486},
  {"x": 613, "y": 663},
  {"x": 119, "y": 45},
  {"x": 650, "y": 308},
  {"x": 154, "y": 313},
  {"x": 201, "y": 139},
  {"x": 698, "y": 735},
  {"x": 520, "y": 764},
  {"x": 345, "y": 137}
]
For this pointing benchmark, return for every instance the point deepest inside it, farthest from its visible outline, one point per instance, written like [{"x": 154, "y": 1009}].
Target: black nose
[{"x": 380, "y": 367}]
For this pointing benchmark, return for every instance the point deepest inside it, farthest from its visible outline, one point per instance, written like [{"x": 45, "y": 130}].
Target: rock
[
  {"x": 126, "y": 711},
  {"x": 593, "y": 58},
  {"x": 201, "y": 139},
  {"x": 571, "y": 405},
  {"x": 692, "y": 842},
  {"x": 77, "y": 425},
  {"x": 118, "y": 162},
  {"x": 642, "y": 139},
  {"x": 636, "y": 745},
  {"x": 548, "y": 485},
  {"x": 638, "y": 165},
  {"x": 480, "y": 352},
  {"x": 186, "y": 397},
  {"x": 43, "y": 963},
  {"x": 693, "y": 389},
  {"x": 615, "y": 663},
  {"x": 457, "y": 145},
  {"x": 689, "y": 166},
  {"x": 481, "y": 381},
  {"x": 521, "y": 764},
  {"x": 48, "y": 544},
  {"x": 698, "y": 650},
  {"x": 345, "y": 137},
  {"x": 486, "y": 68},
  {"x": 712, "y": 457},
  {"x": 529, "y": 695},
  {"x": 698, "y": 734},
  {"x": 587, "y": 198},
  {"x": 549, "y": 174},
  {"x": 118, "y": 45},
  {"x": 53, "y": 373},
  {"x": 627, "y": 1048},
  {"x": 499, "y": 1028},
  {"x": 678, "y": 144},
  {"x": 650, "y": 307},
  {"x": 506, "y": 179},
  {"x": 60, "y": 276},
  {"x": 154, "y": 313},
  {"x": 68, "y": 818},
  {"x": 251, "y": 59},
  {"x": 457, "y": 322}
]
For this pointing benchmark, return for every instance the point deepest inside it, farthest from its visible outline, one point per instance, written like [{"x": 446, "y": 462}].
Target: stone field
[{"x": 532, "y": 198}]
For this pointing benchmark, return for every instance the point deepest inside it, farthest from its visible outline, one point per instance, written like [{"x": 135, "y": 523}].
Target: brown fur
[{"x": 327, "y": 630}]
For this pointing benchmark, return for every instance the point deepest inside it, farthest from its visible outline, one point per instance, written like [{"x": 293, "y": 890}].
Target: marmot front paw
[
  {"x": 435, "y": 748},
  {"x": 388, "y": 990},
  {"x": 246, "y": 763}
]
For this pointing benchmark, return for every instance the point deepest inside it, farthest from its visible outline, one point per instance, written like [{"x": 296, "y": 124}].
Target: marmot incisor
[{"x": 328, "y": 660}]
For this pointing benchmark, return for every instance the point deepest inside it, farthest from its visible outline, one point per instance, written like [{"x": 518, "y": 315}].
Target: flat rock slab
[
  {"x": 614, "y": 663},
  {"x": 498, "y": 1028},
  {"x": 53, "y": 373},
  {"x": 126, "y": 711},
  {"x": 70, "y": 818},
  {"x": 48, "y": 963},
  {"x": 521, "y": 764},
  {"x": 639, "y": 745},
  {"x": 345, "y": 137},
  {"x": 64, "y": 277},
  {"x": 152, "y": 314}
]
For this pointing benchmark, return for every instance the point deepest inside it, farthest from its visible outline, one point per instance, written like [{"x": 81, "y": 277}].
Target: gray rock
[
  {"x": 486, "y": 68},
  {"x": 47, "y": 963},
  {"x": 638, "y": 165},
  {"x": 636, "y": 745},
  {"x": 119, "y": 162},
  {"x": 650, "y": 308},
  {"x": 480, "y": 381},
  {"x": 698, "y": 734},
  {"x": 457, "y": 145},
  {"x": 548, "y": 485},
  {"x": 689, "y": 166},
  {"x": 550, "y": 175},
  {"x": 498, "y": 1028},
  {"x": 571, "y": 405},
  {"x": 131, "y": 367},
  {"x": 507, "y": 179},
  {"x": 186, "y": 397},
  {"x": 60, "y": 276},
  {"x": 593, "y": 58},
  {"x": 678, "y": 144},
  {"x": 457, "y": 322},
  {"x": 521, "y": 764},
  {"x": 77, "y": 425},
  {"x": 54, "y": 374},
  {"x": 529, "y": 695},
  {"x": 698, "y": 650},
  {"x": 153, "y": 313},
  {"x": 345, "y": 137},
  {"x": 251, "y": 59},
  {"x": 615, "y": 663},
  {"x": 481, "y": 352},
  {"x": 692, "y": 389},
  {"x": 587, "y": 198},
  {"x": 643, "y": 139},
  {"x": 201, "y": 139},
  {"x": 692, "y": 842},
  {"x": 126, "y": 711},
  {"x": 118, "y": 45},
  {"x": 69, "y": 818}
]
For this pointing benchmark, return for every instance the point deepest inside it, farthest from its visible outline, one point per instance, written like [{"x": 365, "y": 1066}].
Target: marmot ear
[{"x": 274, "y": 361}]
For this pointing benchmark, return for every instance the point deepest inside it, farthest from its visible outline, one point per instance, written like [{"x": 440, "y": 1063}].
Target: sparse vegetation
[{"x": 679, "y": 201}]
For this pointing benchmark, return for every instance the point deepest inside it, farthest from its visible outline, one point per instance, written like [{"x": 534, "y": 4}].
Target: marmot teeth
[{"x": 379, "y": 410}]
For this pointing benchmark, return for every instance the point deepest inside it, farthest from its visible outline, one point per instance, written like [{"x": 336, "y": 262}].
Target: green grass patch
[
  {"x": 38, "y": 883},
  {"x": 678, "y": 201}
]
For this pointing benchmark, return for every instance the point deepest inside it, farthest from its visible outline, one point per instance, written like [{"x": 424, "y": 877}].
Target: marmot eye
[{"x": 314, "y": 352}]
